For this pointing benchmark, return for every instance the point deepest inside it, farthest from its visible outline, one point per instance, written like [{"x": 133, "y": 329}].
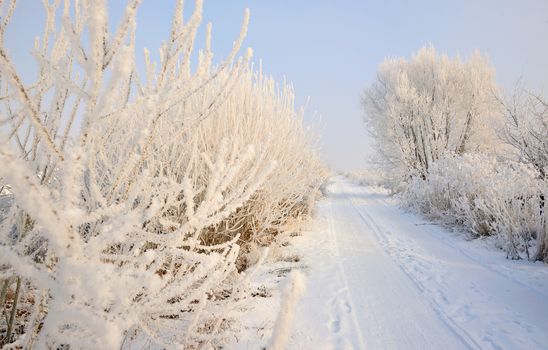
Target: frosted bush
[
  {"x": 268, "y": 118},
  {"x": 129, "y": 195},
  {"x": 486, "y": 197}
]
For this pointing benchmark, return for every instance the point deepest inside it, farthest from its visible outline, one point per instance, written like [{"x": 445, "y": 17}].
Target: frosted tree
[
  {"x": 527, "y": 128},
  {"x": 527, "y": 133},
  {"x": 420, "y": 109},
  {"x": 128, "y": 193}
]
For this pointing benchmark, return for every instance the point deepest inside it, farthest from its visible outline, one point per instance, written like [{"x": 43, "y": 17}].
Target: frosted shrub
[
  {"x": 268, "y": 118},
  {"x": 486, "y": 197},
  {"x": 129, "y": 195}
]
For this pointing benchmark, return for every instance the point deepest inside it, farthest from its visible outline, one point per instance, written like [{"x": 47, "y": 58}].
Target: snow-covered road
[{"x": 381, "y": 278}]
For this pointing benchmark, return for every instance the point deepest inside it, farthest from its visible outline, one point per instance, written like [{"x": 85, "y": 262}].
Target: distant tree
[
  {"x": 527, "y": 128},
  {"x": 420, "y": 109}
]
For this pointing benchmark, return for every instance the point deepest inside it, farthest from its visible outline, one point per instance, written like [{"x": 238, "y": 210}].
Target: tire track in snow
[
  {"x": 348, "y": 304},
  {"x": 379, "y": 282},
  {"x": 474, "y": 259},
  {"x": 460, "y": 332},
  {"x": 387, "y": 309},
  {"x": 493, "y": 309}
]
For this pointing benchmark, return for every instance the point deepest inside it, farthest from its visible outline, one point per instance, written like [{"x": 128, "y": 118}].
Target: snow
[
  {"x": 381, "y": 278},
  {"x": 293, "y": 290}
]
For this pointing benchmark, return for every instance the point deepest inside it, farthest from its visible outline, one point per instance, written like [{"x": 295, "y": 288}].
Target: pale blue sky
[{"x": 330, "y": 50}]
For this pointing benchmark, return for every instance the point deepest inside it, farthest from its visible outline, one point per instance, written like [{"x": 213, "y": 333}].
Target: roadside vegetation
[
  {"x": 132, "y": 200},
  {"x": 458, "y": 150}
]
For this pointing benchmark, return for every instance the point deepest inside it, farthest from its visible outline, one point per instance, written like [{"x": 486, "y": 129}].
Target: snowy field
[{"x": 381, "y": 278}]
